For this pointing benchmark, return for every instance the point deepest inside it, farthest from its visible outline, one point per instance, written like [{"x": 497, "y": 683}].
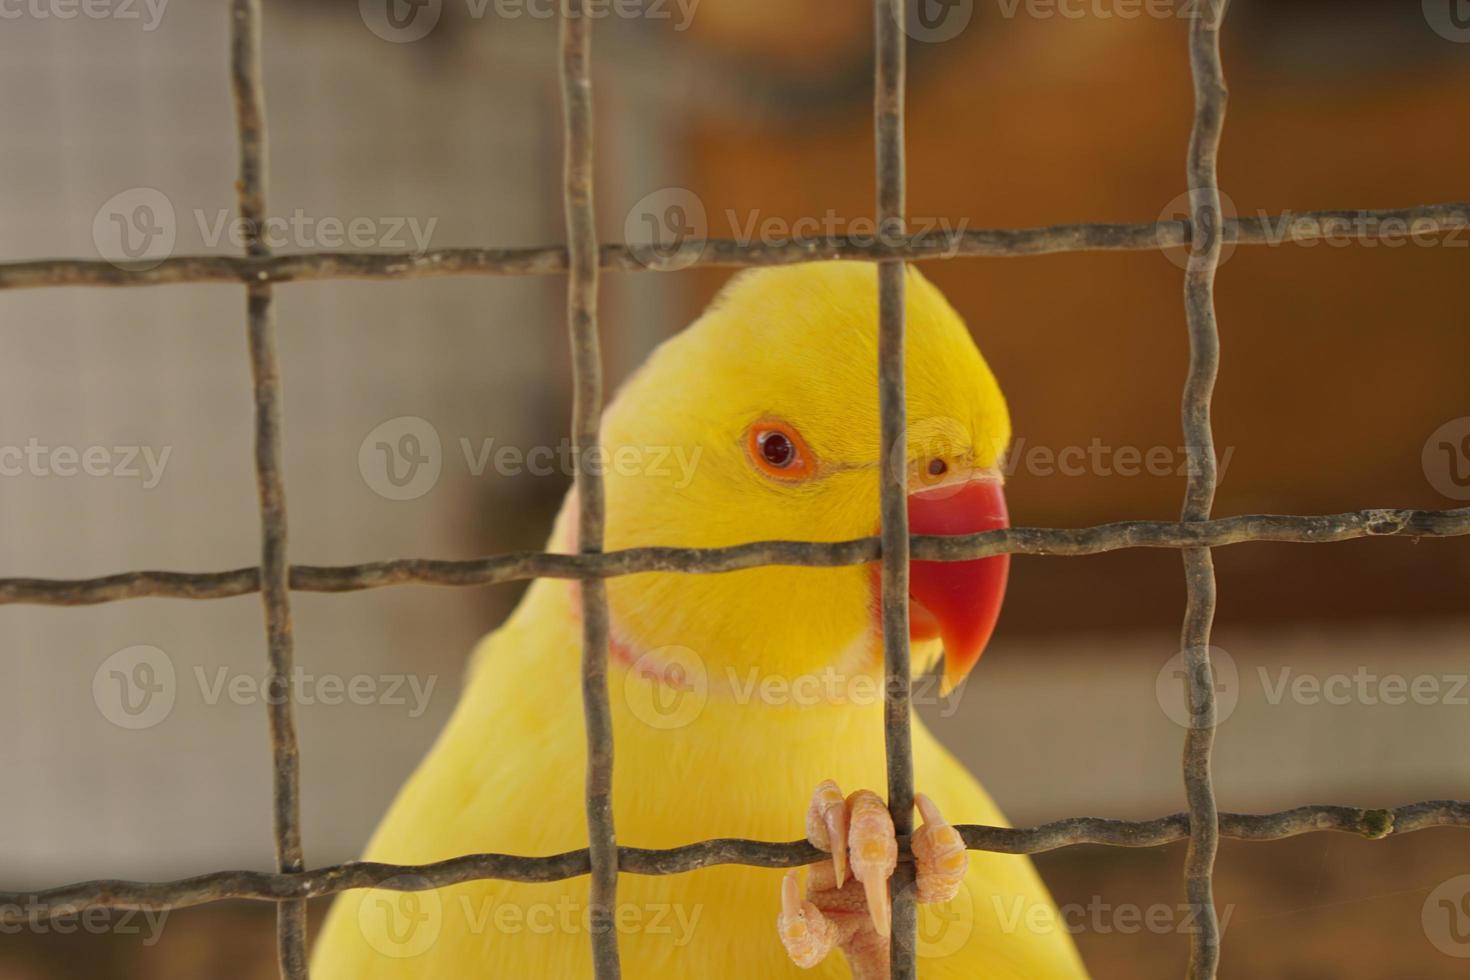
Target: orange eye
[{"x": 779, "y": 451}]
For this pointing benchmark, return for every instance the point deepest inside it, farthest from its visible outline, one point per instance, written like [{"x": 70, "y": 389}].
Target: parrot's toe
[
  {"x": 940, "y": 856},
  {"x": 826, "y": 826},
  {"x": 807, "y": 934},
  {"x": 872, "y": 849},
  {"x": 858, "y": 832}
]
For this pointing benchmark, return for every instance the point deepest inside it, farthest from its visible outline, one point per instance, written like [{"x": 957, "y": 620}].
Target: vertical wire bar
[
  {"x": 888, "y": 92},
  {"x": 249, "y": 93},
  {"x": 576, "y": 89},
  {"x": 1199, "y": 566}
]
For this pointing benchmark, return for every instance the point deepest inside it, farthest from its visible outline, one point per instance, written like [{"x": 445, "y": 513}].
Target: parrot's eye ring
[{"x": 778, "y": 451}]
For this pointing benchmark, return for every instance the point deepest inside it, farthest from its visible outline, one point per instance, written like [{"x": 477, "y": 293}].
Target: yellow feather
[{"x": 736, "y": 748}]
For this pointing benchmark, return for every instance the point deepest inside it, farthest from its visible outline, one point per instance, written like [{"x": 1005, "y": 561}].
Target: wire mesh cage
[{"x": 1205, "y": 233}]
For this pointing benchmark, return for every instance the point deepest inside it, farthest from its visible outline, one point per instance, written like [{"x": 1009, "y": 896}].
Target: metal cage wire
[{"x": 1195, "y": 534}]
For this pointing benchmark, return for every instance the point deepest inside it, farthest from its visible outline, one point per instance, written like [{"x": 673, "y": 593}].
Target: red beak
[{"x": 958, "y": 601}]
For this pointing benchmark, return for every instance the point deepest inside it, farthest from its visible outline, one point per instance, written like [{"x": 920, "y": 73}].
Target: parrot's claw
[{"x": 854, "y": 912}]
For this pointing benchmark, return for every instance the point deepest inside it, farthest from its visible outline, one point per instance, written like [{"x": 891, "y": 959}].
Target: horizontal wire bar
[
  {"x": 1393, "y": 224},
  {"x": 1373, "y": 824},
  {"x": 518, "y": 566}
]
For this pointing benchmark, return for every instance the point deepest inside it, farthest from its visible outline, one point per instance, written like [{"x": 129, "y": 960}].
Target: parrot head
[{"x": 760, "y": 421}]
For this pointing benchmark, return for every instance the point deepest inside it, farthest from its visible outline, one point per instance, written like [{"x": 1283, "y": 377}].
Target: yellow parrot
[{"x": 744, "y": 703}]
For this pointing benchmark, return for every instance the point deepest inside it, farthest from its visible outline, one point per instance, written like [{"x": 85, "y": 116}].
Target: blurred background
[{"x": 1343, "y": 375}]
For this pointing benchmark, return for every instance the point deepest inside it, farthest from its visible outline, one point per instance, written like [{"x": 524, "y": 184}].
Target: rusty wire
[
  {"x": 249, "y": 95},
  {"x": 1384, "y": 225},
  {"x": 1204, "y": 233},
  {"x": 1199, "y": 494},
  {"x": 893, "y": 454},
  {"x": 576, "y": 93},
  {"x": 519, "y": 566},
  {"x": 16, "y": 907}
]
